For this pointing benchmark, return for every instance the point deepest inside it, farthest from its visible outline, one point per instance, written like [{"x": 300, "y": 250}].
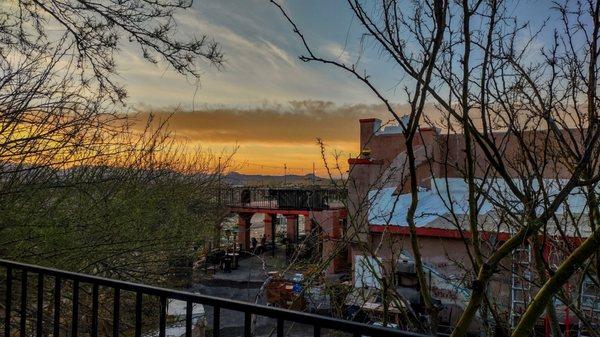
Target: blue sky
[{"x": 262, "y": 56}]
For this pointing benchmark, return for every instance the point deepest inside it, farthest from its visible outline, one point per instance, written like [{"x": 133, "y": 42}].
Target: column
[
  {"x": 244, "y": 230},
  {"x": 307, "y": 225},
  {"x": 268, "y": 226},
  {"x": 270, "y": 230},
  {"x": 291, "y": 226}
]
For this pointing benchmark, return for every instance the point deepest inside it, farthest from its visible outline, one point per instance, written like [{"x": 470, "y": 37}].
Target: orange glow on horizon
[{"x": 280, "y": 158}]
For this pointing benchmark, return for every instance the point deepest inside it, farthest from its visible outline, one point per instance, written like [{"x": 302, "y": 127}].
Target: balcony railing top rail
[{"x": 140, "y": 290}]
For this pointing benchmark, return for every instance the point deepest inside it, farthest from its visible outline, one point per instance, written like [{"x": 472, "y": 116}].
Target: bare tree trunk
[
  {"x": 541, "y": 271},
  {"x": 414, "y": 240}
]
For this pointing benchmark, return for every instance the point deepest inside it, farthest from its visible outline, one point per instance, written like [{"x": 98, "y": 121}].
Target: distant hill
[{"x": 237, "y": 179}]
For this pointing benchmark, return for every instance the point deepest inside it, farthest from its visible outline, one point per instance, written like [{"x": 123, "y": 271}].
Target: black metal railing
[
  {"x": 284, "y": 198},
  {"x": 142, "y": 292}
]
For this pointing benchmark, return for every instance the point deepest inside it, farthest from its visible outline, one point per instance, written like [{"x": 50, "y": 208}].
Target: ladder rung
[
  {"x": 521, "y": 288},
  {"x": 521, "y": 300}
]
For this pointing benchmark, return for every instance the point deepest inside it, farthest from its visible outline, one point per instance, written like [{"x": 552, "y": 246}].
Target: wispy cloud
[
  {"x": 337, "y": 51},
  {"x": 261, "y": 63}
]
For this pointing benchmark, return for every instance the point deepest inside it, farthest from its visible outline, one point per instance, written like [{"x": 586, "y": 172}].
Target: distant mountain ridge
[{"x": 240, "y": 179}]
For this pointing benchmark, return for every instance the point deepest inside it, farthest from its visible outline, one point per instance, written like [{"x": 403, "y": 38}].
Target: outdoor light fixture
[{"x": 366, "y": 152}]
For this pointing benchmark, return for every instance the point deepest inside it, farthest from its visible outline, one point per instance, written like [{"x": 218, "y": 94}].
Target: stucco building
[{"x": 379, "y": 198}]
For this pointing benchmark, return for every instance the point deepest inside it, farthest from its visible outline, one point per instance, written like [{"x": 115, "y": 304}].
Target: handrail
[{"x": 249, "y": 309}]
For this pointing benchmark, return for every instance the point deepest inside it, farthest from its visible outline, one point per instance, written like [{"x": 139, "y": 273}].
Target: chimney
[{"x": 368, "y": 127}]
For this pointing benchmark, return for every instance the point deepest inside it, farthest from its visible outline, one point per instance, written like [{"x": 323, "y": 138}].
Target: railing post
[
  {"x": 8, "y": 304},
  {"x": 75, "y": 317},
  {"x": 57, "y": 295},
  {"x": 247, "y": 324},
  {"x": 279, "y": 327},
  {"x": 162, "y": 320},
  {"x": 216, "y": 321},
  {"x": 94, "y": 310},
  {"x": 23, "y": 322},
  {"x": 138, "y": 314},
  {"x": 116, "y": 311},
  {"x": 188, "y": 319},
  {"x": 39, "y": 327}
]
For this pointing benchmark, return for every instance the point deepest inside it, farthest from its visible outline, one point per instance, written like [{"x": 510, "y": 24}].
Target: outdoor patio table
[{"x": 235, "y": 259}]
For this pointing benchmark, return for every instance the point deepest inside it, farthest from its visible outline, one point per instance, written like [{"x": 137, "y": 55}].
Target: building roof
[{"x": 445, "y": 206}]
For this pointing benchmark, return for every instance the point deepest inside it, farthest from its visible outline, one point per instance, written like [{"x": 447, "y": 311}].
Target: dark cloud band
[{"x": 299, "y": 122}]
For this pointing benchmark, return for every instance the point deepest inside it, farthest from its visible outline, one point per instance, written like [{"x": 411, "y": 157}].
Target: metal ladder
[
  {"x": 521, "y": 278},
  {"x": 590, "y": 304}
]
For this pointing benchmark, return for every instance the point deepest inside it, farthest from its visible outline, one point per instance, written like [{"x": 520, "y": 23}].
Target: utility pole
[
  {"x": 219, "y": 203},
  {"x": 273, "y": 231},
  {"x": 313, "y": 174},
  {"x": 285, "y": 174},
  {"x": 219, "y": 181}
]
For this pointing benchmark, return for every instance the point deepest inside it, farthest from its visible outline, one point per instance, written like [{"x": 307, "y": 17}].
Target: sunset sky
[{"x": 266, "y": 102}]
